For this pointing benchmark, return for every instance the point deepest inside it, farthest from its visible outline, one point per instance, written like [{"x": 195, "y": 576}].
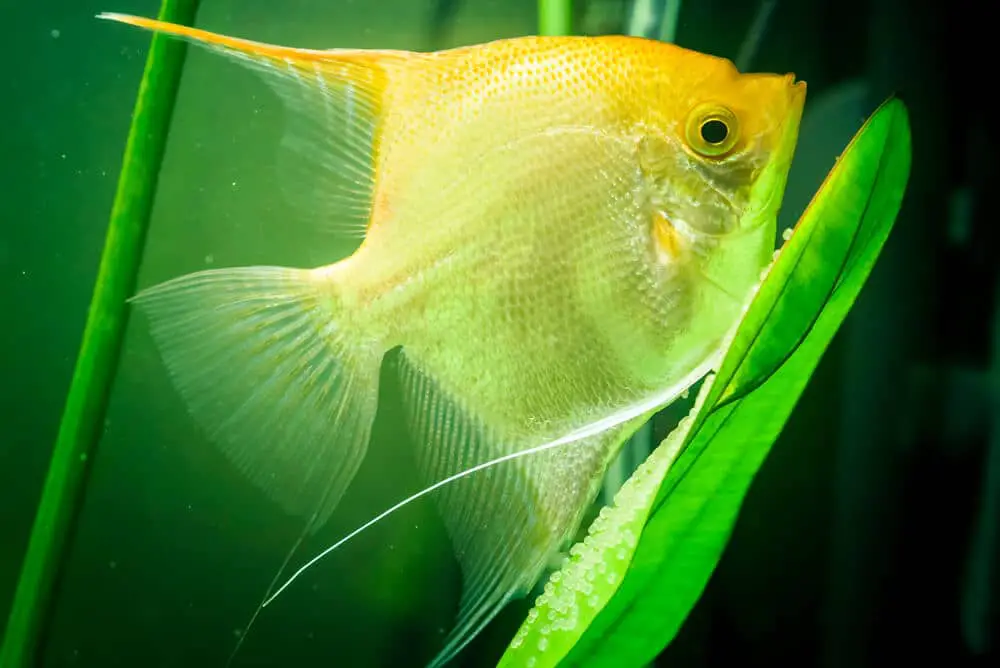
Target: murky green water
[{"x": 830, "y": 563}]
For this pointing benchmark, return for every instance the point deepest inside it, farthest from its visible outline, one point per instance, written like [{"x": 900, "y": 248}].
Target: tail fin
[{"x": 266, "y": 363}]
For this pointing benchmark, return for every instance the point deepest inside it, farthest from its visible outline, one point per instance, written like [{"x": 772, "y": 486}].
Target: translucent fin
[
  {"x": 333, "y": 99},
  {"x": 260, "y": 357},
  {"x": 504, "y": 522}
]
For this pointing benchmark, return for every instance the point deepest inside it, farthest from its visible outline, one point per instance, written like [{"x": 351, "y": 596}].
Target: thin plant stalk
[
  {"x": 86, "y": 403},
  {"x": 555, "y": 17},
  {"x": 668, "y": 25},
  {"x": 755, "y": 35},
  {"x": 654, "y": 19}
]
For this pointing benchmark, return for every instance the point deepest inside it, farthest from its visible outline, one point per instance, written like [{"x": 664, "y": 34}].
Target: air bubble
[{"x": 786, "y": 234}]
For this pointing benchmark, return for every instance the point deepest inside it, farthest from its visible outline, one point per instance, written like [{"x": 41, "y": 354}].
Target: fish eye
[{"x": 712, "y": 130}]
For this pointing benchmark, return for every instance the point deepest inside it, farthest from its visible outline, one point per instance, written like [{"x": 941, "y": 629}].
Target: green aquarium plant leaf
[
  {"x": 83, "y": 416},
  {"x": 625, "y": 590}
]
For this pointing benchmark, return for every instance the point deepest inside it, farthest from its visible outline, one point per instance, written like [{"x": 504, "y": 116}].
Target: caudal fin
[{"x": 267, "y": 366}]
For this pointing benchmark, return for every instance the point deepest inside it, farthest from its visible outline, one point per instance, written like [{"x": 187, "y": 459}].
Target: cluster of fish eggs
[
  {"x": 596, "y": 566},
  {"x": 611, "y": 539}
]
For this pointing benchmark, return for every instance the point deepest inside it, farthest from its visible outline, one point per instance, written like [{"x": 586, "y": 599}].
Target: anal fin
[{"x": 505, "y": 522}]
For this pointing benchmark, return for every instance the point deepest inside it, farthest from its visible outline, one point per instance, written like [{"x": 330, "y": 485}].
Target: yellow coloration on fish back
[{"x": 558, "y": 229}]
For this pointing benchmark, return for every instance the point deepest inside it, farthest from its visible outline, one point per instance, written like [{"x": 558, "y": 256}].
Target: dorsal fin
[{"x": 333, "y": 99}]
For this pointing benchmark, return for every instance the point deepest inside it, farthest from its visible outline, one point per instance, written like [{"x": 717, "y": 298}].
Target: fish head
[{"x": 714, "y": 148}]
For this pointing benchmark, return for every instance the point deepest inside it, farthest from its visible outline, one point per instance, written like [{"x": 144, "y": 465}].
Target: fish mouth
[{"x": 768, "y": 189}]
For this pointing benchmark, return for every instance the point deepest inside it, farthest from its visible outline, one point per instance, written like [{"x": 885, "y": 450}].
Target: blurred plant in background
[{"x": 869, "y": 535}]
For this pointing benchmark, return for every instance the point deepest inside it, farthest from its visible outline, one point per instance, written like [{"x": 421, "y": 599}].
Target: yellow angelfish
[{"x": 559, "y": 231}]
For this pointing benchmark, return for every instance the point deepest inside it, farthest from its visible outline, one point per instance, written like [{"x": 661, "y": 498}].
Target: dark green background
[{"x": 855, "y": 544}]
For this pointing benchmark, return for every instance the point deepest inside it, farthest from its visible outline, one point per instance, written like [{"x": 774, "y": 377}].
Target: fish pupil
[{"x": 714, "y": 131}]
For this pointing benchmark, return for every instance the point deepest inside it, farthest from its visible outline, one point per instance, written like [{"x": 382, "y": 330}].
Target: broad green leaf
[{"x": 626, "y": 589}]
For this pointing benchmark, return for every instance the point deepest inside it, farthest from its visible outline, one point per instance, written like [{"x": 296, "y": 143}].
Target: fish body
[{"x": 556, "y": 229}]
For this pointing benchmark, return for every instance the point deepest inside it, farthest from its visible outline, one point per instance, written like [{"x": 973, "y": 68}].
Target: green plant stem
[
  {"x": 555, "y": 17},
  {"x": 86, "y": 403},
  {"x": 654, "y": 20},
  {"x": 668, "y": 26}
]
